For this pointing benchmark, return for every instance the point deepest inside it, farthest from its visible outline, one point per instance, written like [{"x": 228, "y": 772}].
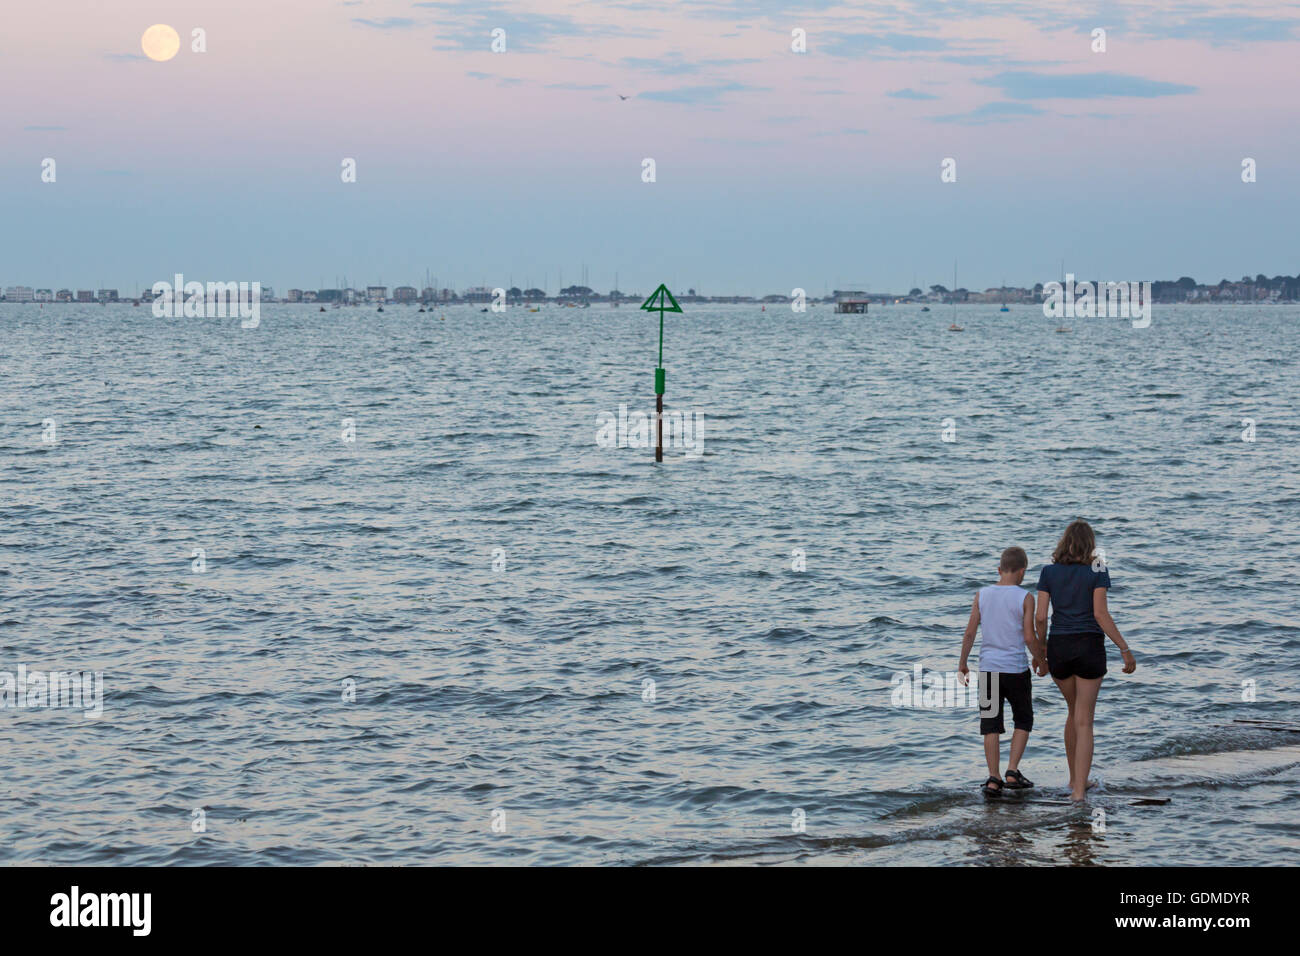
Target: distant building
[
  {"x": 42, "y": 295},
  {"x": 308, "y": 296},
  {"x": 405, "y": 293},
  {"x": 851, "y": 304},
  {"x": 377, "y": 293},
  {"x": 85, "y": 295},
  {"x": 329, "y": 295},
  {"x": 478, "y": 293},
  {"x": 293, "y": 295},
  {"x": 18, "y": 293},
  {"x": 63, "y": 295},
  {"x": 106, "y": 295}
]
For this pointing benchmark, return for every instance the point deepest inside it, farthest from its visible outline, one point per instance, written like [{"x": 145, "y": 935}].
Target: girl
[{"x": 1074, "y": 585}]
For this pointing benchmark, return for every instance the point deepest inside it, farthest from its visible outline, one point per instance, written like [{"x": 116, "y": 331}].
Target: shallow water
[{"x": 521, "y": 689}]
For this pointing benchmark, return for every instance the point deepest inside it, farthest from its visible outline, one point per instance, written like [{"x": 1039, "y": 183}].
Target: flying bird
[{"x": 622, "y": 97}]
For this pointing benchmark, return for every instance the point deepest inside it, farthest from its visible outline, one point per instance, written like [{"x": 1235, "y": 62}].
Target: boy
[{"x": 1004, "y": 612}]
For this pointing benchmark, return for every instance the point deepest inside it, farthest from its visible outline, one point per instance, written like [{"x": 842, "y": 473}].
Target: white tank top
[{"x": 1002, "y": 633}]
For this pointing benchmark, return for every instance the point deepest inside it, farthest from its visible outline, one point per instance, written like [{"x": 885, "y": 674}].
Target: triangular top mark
[{"x": 659, "y": 299}]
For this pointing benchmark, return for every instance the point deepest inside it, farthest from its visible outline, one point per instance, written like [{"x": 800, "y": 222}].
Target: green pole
[
  {"x": 661, "y": 301},
  {"x": 659, "y": 393}
]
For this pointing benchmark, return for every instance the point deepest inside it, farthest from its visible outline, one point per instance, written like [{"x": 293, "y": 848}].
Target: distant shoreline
[
  {"x": 1259, "y": 290},
  {"x": 633, "y": 306}
]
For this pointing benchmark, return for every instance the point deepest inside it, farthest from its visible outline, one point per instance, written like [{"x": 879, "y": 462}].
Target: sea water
[{"x": 366, "y": 588}]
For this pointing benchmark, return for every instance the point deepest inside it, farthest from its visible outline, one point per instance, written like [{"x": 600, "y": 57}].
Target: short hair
[
  {"x": 1013, "y": 559},
  {"x": 1077, "y": 545}
]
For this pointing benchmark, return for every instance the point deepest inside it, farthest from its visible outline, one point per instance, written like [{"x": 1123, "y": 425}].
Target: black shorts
[
  {"x": 1076, "y": 655},
  {"x": 1016, "y": 689}
]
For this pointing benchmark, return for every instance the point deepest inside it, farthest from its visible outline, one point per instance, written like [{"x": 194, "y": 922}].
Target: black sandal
[
  {"x": 1018, "y": 781},
  {"x": 990, "y": 791}
]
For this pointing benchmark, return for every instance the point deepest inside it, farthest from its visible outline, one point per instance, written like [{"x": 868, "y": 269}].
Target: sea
[{"x": 362, "y": 588}]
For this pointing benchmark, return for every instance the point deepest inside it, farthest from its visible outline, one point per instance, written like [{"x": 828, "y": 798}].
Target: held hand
[
  {"x": 1130, "y": 664},
  {"x": 1040, "y": 666},
  {"x": 962, "y": 672}
]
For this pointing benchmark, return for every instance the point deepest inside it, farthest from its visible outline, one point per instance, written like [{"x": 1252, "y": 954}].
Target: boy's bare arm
[
  {"x": 1037, "y": 649},
  {"x": 1031, "y": 640},
  {"x": 968, "y": 639},
  {"x": 1041, "y": 617}
]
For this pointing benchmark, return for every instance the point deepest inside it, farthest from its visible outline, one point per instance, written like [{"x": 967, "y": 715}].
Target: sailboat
[
  {"x": 954, "y": 327},
  {"x": 1062, "y": 327}
]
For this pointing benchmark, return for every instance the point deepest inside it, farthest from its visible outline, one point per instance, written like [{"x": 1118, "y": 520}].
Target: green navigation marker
[{"x": 661, "y": 301}]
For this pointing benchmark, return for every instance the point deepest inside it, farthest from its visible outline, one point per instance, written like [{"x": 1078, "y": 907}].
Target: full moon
[{"x": 160, "y": 42}]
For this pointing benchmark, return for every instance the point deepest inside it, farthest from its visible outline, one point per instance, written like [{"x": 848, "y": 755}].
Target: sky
[{"x": 774, "y": 169}]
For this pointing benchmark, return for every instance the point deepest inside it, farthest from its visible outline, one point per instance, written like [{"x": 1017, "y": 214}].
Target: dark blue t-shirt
[{"x": 1071, "y": 587}]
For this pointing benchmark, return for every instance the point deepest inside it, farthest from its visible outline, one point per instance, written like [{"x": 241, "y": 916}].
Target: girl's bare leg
[
  {"x": 1081, "y": 714},
  {"x": 1069, "y": 693}
]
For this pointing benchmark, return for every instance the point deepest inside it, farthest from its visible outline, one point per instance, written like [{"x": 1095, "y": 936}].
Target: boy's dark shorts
[{"x": 1017, "y": 689}]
